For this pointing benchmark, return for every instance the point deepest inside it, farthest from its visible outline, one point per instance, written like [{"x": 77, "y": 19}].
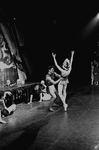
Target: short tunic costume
[
  {"x": 64, "y": 80},
  {"x": 50, "y": 85}
]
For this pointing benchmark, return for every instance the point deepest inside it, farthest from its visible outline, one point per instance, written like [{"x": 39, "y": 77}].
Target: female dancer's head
[{"x": 66, "y": 64}]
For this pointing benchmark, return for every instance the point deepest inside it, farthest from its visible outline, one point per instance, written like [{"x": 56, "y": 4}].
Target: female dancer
[{"x": 65, "y": 71}]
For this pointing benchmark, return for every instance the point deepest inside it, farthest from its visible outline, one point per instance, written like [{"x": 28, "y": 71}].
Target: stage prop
[
  {"x": 8, "y": 77},
  {"x": 11, "y": 68},
  {"x": 12, "y": 73},
  {"x": 19, "y": 93}
]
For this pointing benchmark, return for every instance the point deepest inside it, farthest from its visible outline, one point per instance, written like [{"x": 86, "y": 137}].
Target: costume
[
  {"x": 64, "y": 80},
  {"x": 52, "y": 76},
  {"x": 50, "y": 85}
]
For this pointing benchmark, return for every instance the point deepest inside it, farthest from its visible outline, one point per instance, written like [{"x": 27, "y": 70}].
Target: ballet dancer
[
  {"x": 4, "y": 110},
  {"x": 44, "y": 94},
  {"x": 65, "y": 71},
  {"x": 50, "y": 84}
]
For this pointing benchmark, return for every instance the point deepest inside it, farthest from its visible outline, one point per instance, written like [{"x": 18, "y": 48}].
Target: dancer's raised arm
[
  {"x": 56, "y": 64},
  {"x": 71, "y": 60}
]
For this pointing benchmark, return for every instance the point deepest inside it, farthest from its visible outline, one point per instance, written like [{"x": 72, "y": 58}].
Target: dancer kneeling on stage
[
  {"x": 50, "y": 84},
  {"x": 44, "y": 95},
  {"x": 4, "y": 110},
  {"x": 65, "y": 72}
]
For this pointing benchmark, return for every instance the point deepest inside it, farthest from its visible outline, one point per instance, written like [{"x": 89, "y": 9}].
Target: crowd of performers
[{"x": 46, "y": 89}]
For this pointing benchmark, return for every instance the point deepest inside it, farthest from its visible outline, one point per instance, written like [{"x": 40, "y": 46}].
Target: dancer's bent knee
[{"x": 53, "y": 94}]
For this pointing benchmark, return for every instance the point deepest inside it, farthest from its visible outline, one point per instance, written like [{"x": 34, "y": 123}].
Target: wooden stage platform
[{"x": 33, "y": 127}]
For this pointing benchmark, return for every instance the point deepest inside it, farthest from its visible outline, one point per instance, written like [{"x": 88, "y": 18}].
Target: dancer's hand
[
  {"x": 72, "y": 52},
  {"x": 53, "y": 54}
]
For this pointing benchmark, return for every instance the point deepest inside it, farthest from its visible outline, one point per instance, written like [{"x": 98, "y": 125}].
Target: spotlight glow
[{"x": 98, "y": 16}]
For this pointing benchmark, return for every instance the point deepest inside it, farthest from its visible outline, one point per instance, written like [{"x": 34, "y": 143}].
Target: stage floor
[{"x": 33, "y": 127}]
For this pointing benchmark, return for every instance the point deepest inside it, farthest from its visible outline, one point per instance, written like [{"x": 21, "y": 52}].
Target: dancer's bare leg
[
  {"x": 1, "y": 120},
  {"x": 62, "y": 94},
  {"x": 40, "y": 97},
  {"x": 52, "y": 92},
  {"x": 64, "y": 99},
  {"x": 12, "y": 108},
  {"x": 31, "y": 98}
]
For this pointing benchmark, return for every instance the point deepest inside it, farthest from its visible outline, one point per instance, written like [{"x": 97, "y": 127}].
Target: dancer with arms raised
[{"x": 65, "y": 71}]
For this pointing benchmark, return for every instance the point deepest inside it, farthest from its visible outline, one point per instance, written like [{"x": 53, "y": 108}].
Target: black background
[{"x": 55, "y": 27}]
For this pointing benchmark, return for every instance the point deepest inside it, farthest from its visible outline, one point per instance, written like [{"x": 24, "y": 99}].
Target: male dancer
[{"x": 50, "y": 84}]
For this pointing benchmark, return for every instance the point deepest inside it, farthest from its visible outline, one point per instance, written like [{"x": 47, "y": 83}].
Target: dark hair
[{"x": 50, "y": 67}]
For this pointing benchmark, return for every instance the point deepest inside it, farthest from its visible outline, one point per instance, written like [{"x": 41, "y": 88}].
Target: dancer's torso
[
  {"x": 64, "y": 79},
  {"x": 48, "y": 82}
]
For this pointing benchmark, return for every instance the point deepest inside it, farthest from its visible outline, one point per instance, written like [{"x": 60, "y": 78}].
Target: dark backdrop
[{"x": 46, "y": 28}]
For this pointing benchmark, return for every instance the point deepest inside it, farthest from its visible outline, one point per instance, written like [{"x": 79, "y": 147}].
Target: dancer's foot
[
  {"x": 40, "y": 100},
  {"x": 2, "y": 121},
  {"x": 29, "y": 102},
  {"x": 51, "y": 109},
  {"x": 55, "y": 104},
  {"x": 65, "y": 107}
]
